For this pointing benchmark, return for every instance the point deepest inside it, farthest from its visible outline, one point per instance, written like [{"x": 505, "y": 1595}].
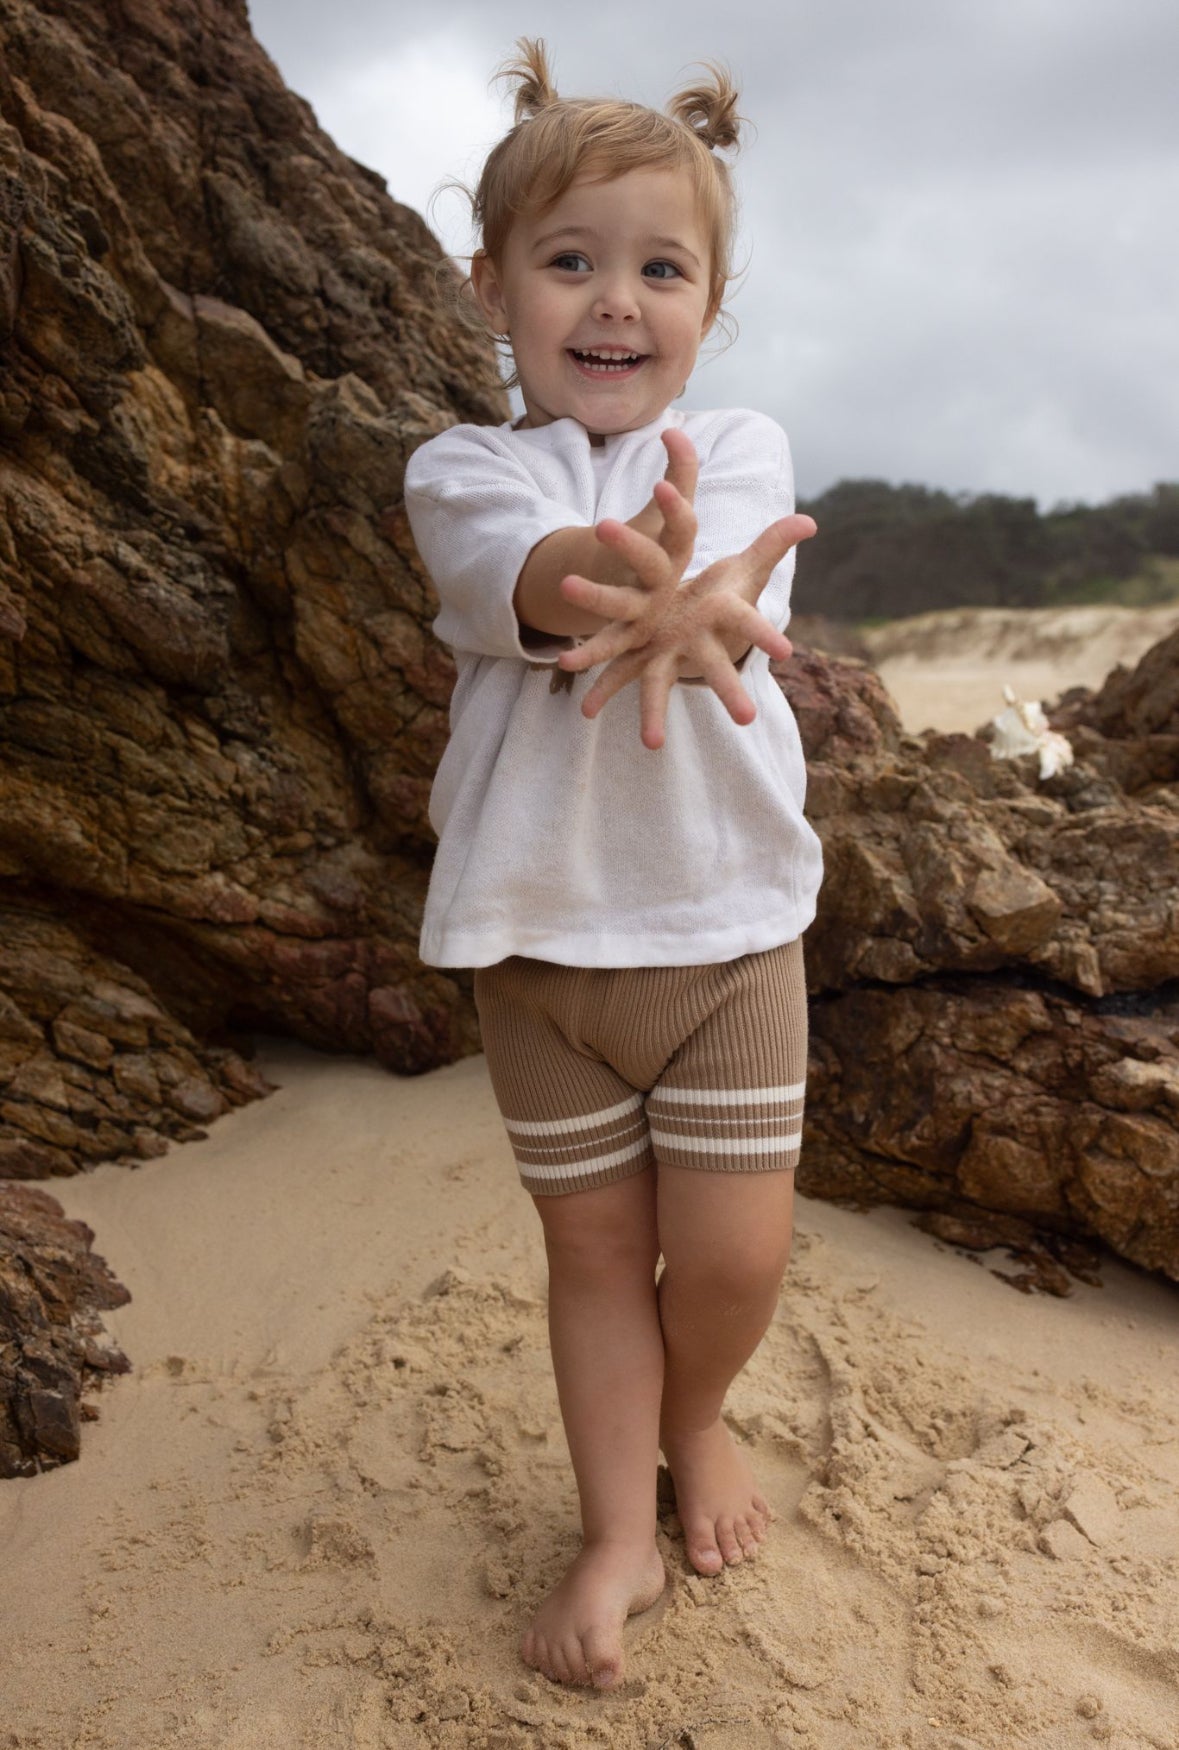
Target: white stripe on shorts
[
  {"x": 562, "y": 1126},
  {"x": 619, "y": 1133},
  {"x": 696, "y": 1119},
  {"x": 579, "y": 1169},
  {"x": 728, "y": 1096},
  {"x": 728, "y": 1145}
]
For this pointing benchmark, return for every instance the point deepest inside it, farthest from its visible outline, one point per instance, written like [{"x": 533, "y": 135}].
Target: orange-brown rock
[
  {"x": 220, "y": 705},
  {"x": 1128, "y": 729},
  {"x": 1137, "y": 702},
  {"x": 92, "y": 1067},
  {"x": 976, "y": 1097},
  {"x": 995, "y": 1017},
  {"x": 52, "y": 1290}
]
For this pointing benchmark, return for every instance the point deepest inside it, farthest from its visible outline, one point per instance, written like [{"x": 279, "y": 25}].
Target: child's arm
[
  {"x": 663, "y": 629},
  {"x": 479, "y": 509},
  {"x": 539, "y": 600}
]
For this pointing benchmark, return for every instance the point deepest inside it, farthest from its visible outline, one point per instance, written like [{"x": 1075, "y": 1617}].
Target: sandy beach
[
  {"x": 947, "y": 670},
  {"x": 323, "y": 1504},
  {"x": 320, "y": 1508}
]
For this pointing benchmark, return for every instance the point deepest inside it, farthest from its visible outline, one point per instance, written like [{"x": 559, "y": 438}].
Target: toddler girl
[{"x": 630, "y": 883}]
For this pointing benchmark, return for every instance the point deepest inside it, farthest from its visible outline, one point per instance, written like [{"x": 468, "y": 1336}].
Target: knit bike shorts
[{"x": 600, "y": 1074}]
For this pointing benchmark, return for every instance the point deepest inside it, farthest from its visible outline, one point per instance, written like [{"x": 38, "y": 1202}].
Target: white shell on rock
[{"x": 1023, "y": 728}]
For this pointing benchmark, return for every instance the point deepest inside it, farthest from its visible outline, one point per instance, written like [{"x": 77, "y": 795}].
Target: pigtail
[
  {"x": 710, "y": 111},
  {"x": 530, "y": 68}
]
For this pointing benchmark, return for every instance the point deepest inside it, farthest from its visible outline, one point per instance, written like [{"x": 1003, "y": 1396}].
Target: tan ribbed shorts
[{"x": 600, "y": 1074}]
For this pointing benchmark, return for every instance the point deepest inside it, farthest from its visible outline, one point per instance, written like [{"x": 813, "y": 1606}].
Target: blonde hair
[{"x": 555, "y": 140}]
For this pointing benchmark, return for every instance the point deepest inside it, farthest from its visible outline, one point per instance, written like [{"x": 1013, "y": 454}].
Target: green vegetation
[
  {"x": 887, "y": 551},
  {"x": 1154, "y": 586}
]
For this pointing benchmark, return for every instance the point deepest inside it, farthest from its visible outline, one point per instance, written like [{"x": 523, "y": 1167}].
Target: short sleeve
[
  {"x": 476, "y": 513},
  {"x": 746, "y": 483}
]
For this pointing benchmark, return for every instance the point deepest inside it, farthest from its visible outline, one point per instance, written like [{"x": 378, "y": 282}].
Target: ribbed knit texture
[{"x": 602, "y": 1073}]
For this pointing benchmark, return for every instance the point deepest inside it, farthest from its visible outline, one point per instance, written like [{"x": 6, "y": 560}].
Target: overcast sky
[{"x": 959, "y": 216}]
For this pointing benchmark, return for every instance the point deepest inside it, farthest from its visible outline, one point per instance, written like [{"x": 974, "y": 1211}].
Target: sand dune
[
  {"x": 320, "y": 1509},
  {"x": 947, "y": 670}
]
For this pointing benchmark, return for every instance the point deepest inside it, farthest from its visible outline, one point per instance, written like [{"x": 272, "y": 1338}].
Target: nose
[{"x": 617, "y": 300}]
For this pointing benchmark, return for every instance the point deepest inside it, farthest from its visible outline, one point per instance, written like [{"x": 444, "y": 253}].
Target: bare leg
[
  {"x": 726, "y": 1241},
  {"x": 608, "y": 1360}
]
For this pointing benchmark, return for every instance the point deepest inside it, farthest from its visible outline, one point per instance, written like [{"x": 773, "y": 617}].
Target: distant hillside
[
  {"x": 887, "y": 551},
  {"x": 947, "y": 670}
]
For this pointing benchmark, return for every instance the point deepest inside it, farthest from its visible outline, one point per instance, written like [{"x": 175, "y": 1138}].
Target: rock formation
[
  {"x": 93, "y": 1067},
  {"x": 995, "y": 968},
  {"x": 52, "y": 1288},
  {"x": 220, "y": 706}
]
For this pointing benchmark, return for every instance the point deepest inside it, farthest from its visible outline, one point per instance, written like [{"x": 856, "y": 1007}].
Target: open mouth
[{"x": 602, "y": 363}]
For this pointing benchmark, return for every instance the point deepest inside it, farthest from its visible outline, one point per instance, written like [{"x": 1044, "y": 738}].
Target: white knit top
[{"x": 568, "y": 840}]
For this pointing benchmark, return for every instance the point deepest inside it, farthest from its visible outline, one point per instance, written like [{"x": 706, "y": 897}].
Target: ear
[{"x": 488, "y": 291}]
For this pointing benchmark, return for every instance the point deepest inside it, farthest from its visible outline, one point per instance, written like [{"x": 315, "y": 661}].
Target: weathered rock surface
[
  {"x": 995, "y": 968},
  {"x": 52, "y": 1289},
  {"x": 220, "y": 706},
  {"x": 91, "y": 1066},
  {"x": 1128, "y": 729},
  {"x": 1136, "y": 703}
]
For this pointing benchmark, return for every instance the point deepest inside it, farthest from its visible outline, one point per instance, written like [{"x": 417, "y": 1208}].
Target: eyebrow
[{"x": 576, "y": 231}]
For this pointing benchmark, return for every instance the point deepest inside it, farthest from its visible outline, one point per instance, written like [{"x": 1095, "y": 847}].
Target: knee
[
  {"x": 736, "y": 1277},
  {"x": 591, "y": 1237}
]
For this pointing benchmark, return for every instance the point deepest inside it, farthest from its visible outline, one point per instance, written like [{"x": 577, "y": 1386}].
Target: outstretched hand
[{"x": 661, "y": 628}]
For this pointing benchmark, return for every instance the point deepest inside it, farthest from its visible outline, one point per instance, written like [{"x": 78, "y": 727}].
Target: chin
[{"x": 611, "y": 423}]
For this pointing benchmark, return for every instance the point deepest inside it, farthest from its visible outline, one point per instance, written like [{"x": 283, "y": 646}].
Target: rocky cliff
[
  {"x": 219, "y": 704},
  {"x": 995, "y": 970}
]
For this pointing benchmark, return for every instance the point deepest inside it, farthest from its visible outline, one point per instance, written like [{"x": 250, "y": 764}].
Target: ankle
[
  {"x": 675, "y": 1429},
  {"x": 619, "y": 1545}
]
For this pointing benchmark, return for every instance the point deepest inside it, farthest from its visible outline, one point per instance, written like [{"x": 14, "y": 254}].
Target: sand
[
  {"x": 319, "y": 1510},
  {"x": 947, "y": 670}
]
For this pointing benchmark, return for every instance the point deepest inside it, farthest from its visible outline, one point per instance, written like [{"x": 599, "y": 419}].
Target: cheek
[
  {"x": 688, "y": 335},
  {"x": 542, "y": 317}
]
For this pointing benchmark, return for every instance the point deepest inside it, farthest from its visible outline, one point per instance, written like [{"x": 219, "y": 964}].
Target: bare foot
[
  {"x": 721, "y": 1509},
  {"x": 576, "y": 1636}
]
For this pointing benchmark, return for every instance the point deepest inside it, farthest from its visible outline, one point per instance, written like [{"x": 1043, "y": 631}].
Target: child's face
[{"x": 620, "y": 268}]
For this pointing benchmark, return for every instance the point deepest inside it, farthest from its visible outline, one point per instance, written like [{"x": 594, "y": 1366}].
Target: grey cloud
[{"x": 963, "y": 262}]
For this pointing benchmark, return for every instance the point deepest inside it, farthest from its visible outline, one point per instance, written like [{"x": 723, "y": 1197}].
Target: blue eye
[
  {"x": 570, "y": 261},
  {"x": 662, "y": 270}
]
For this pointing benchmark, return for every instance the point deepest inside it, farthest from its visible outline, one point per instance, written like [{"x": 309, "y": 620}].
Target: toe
[
  {"x": 573, "y": 1659},
  {"x": 560, "y": 1669},
  {"x": 542, "y": 1658},
  {"x": 726, "y": 1539},
  {"x": 703, "y": 1553},
  {"x": 747, "y": 1537},
  {"x": 603, "y": 1659}
]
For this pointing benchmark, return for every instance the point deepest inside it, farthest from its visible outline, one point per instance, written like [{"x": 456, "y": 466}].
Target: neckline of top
[{"x": 572, "y": 431}]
